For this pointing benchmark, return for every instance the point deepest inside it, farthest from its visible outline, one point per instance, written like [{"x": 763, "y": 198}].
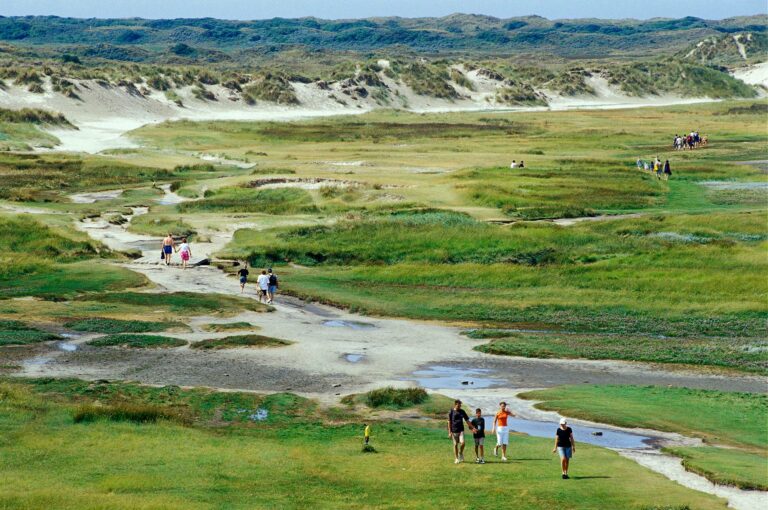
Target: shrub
[
  {"x": 233, "y": 342},
  {"x": 396, "y": 398},
  {"x": 137, "y": 341},
  {"x": 136, "y": 413}
]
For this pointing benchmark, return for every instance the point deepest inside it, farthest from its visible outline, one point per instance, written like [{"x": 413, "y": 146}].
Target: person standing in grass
[
  {"x": 272, "y": 290},
  {"x": 479, "y": 436},
  {"x": 243, "y": 274},
  {"x": 185, "y": 251},
  {"x": 667, "y": 170},
  {"x": 502, "y": 430},
  {"x": 456, "y": 418},
  {"x": 168, "y": 248},
  {"x": 263, "y": 282},
  {"x": 565, "y": 445},
  {"x": 366, "y": 433}
]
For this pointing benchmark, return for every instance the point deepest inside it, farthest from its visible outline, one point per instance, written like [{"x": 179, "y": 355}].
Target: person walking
[
  {"x": 667, "y": 170},
  {"x": 263, "y": 282},
  {"x": 169, "y": 245},
  {"x": 243, "y": 274},
  {"x": 456, "y": 418},
  {"x": 479, "y": 436},
  {"x": 185, "y": 251},
  {"x": 565, "y": 445},
  {"x": 273, "y": 283},
  {"x": 502, "y": 430}
]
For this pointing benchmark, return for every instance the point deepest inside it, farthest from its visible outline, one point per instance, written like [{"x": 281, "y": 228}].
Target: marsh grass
[
  {"x": 181, "y": 302},
  {"x": 266, "y": 201},
  {"x": 238, "y": 341},
  {"x": 395, "y": 398},
  {"x": 230, "y": 326},
  {"x": 137, "y": 341},
  {"x": 108, "y": 325},
  {"x": 135, "y": 413},
  {"x": 19, "y": 333}
]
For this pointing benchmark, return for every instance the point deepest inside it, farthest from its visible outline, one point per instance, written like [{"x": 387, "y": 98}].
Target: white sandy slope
[
  {"x": 104, "y": 114},
  {"x": 753, "y": 75}
]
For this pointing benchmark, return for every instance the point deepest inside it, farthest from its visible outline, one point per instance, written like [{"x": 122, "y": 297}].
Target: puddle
[
  {"x": 604, "y": 437},
  {"x": 170, "y": 197},
  {"x": 354, "y": 358},
  {"x": 98, "y": 196},
  {"x": 260, "y": 414},
  {"x": 454, "y": 378},
  {"x": 67, "y": 346},
  {"x": 348, "y": 324},
  {"x": 735, "y": 185}
]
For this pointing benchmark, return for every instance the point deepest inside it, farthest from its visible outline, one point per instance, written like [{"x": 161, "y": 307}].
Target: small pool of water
[
  {"x": 444, "y": 377},
  {"x": 337, "y": 323},
  {"x": 354, "y": 358},
  {"x": 607, "y": 438},
  {"x": 67, "y": 346}
]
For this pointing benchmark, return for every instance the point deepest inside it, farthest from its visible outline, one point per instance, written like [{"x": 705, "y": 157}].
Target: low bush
[
  {"x": 395, "y": 398},
  {"x": 136, "y": 413},
  {"x": 137, "y": 341},
  {"x": 233, "y": 342}
]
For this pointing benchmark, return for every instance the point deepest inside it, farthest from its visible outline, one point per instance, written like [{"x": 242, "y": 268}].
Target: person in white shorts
[{"x": 502, "y": 430}]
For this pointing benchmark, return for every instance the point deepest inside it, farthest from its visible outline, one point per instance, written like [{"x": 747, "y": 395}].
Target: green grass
[
  {"x": 126, "y": 412},
  {"x": 19, "y": 333},
  {"x": 726, "y": 466},
  {"x": 121, "y": 464},
  {"x": 137, "y": 341},
  {"x": 736, "y": 419},
  {"x": 266, "y": 201},
  {"x": 108, "y": 325},
  {"x": 154, "y": 225},
  {"x": 238, "y": 341},
  {"x": 731, "y": 352},
  {"x": 183, "y": 302}
]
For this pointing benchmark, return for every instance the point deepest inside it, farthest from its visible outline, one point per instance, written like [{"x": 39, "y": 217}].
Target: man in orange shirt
[{"x": 502, "y": 430}]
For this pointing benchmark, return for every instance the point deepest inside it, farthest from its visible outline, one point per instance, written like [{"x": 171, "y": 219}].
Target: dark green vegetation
[
  {"x": 137, "y": 341},
  {"x": 126, "y": 412},
  {"x": 107, "y": 325},
  {"x": 393, "y": 398},
  {"x": 733, "y": 419},
  {"x": 212, "y": 40},
  {"x": 731, "y": 352},
  {"x": 19, "y": 333},
  {"x": 238, "y": 341},
  {"x": 33, "y": 116},
  {"x": 234, "y": 440}
]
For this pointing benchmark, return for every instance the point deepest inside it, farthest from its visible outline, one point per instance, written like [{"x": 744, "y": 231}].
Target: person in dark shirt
[
  {"x": 479, "y": 435},
  {"x": 456, "y": 418},
  {"x": 564, "y": 445},
  {"x": 243, "y": 274}
]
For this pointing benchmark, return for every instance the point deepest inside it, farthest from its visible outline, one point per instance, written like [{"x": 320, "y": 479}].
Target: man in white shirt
[{"x": 263, "y": 283}]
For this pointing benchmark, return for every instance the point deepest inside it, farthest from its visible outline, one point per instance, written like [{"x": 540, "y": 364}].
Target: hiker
[
  {"x": 456, "y": 418},
  {"x": 243, "y": 274},
  {"x": 514, "y": 164},
  {"x": 263, "y": 282},
  {"x": 565, "y": 445},
  {"x": 185, "y": 251},
  {"x": 366, "y": 433},
  {"x": 502, "y": 430},
  {"x": 522, "y": 164},
  {"x": 272, "y": 286},
  {"x": 667, "y": 170},
  {"x": 479, "y": 436},
  {"x": 639, "y": 163},
  {"x": 645, "y": 166},
  {"x": 169, "y": 245}
]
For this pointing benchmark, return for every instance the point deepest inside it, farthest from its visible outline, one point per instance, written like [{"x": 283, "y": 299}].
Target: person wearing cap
[
  {"x": 456, "y": 418},
  {"x": 502, "y": 430},
  {"x": 564, "y": 445}
]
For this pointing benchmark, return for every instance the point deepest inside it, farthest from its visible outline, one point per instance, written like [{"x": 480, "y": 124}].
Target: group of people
[
  {"x": 565, "y": 445},
  {"x": 515, "y": 164},
  {"x": 266, "y": 282},
  {"x": 169, "y": 247},
  {"x": 655, "y": 167},
  {"x": 690, "y": 141}
]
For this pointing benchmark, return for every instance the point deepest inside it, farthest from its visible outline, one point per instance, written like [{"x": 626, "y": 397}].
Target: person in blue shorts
[
  {"x": 564, "y": 445},
  {"x": 273, "y": 283},
  {"x": 243, "y": 274}
]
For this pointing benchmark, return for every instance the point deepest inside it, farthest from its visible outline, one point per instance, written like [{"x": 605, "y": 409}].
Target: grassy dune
[{"x": 231, "y": 461}]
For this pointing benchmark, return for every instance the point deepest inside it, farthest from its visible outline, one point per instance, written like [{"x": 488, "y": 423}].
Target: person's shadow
[{"x": 587, "y": 477}]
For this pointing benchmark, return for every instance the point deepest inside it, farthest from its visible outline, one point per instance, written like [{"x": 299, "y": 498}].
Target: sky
[{"x": 344, "y": 9}]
